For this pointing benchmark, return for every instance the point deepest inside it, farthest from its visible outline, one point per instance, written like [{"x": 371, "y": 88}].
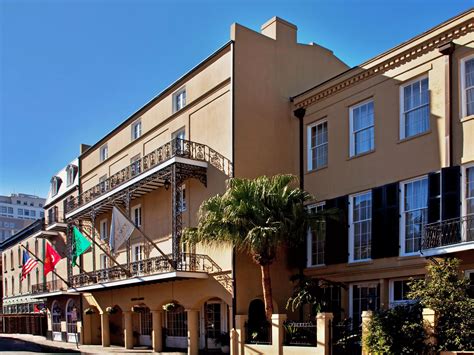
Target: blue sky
[{"x": 71, "y": 70}]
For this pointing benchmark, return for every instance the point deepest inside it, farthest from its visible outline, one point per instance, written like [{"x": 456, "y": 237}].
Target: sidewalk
[{"x": 84, "y": 349}]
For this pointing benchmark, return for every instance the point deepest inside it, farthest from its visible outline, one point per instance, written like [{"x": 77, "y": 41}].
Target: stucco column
[
  {"x": 323, "y": 333},
  {"x": 429, "y": 322},
  {"x": 104, "y": 323},
  {"x": 384, "y": 294},
  {"x": 277, "y": 332},
  {"x": 128, "y": 329},
  {"x": 237, "y": 346},
  {"x": 366, "y": 317},
  {"x": 156, "y": 334},
  {"x": 193, "y": 331}
]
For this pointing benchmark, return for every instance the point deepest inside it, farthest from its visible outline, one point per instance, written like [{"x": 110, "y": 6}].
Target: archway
[
  {"x": 142, "y": 325},
  {"x": 116, "y": 326},
  {"x": 214, "y": 324},
  {"x": 176, "y": 327},
  {"x": 72, "y": 316},
  {"x": 257, "y": 327},
  {"x": 56, "y": 313}
]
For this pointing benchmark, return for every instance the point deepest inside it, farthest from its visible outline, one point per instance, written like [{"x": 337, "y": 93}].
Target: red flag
[{"x": 51, "y": 259}]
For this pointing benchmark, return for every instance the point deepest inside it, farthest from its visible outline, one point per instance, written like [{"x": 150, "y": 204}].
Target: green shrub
[{"x": 398, "y": 330}]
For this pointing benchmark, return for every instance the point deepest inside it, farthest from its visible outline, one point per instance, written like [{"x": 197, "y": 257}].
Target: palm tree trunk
[{"x": 267, "y": 290}]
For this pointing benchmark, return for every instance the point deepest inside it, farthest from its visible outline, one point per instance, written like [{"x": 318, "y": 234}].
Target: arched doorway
[
  {"x": 142, "y": 324},
  {"x": 56, "y": 313},
  {"x": 72, "y": 315},
  {"x": 258, "y": 327},
  {"x": 116, "y": 326},
  {"x": 214, "y": 323},
  {"x": 176, "y": 321}
]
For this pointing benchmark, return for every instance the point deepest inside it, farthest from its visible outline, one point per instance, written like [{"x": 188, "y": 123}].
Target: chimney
[{"x": 279, "y": 30}]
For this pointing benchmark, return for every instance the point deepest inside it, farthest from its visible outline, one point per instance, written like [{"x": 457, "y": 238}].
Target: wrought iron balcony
[
  {"x": 175, "y": 148},
  {"x": 152, "y": 266},
  {"x": 49, "y": 286},
  {"x": 448, "y": 233},
  {"x": 55, "y": 219}
]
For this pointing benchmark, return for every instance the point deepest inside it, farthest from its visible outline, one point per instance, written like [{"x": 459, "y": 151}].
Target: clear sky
[{"x": 71, "y": 70}]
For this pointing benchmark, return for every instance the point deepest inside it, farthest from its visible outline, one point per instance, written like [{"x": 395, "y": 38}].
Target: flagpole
[
  {"x": 42, "y": 262},
  {"x": 110, "y": 256},
  {"x": 147, "y": 238}
]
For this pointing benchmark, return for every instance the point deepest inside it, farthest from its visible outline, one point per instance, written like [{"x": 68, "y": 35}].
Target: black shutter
[
  {"x": 450, "y": 192},
  {"x": 434, "y": 193},
  {"x": 337, "y": 250},
  {"x": 385, "y": 221}
]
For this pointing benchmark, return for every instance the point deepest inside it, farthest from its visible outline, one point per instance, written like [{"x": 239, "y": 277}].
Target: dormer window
[
  {"x": 71, "y": 171},
  {"x": 104, "y": 152},
  {"x": 136, "y": 129},
  {"x": 55, "y": 184},
  {"x": 179, "y": 99}
]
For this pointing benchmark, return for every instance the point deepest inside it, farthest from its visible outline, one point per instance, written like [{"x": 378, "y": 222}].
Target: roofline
[
  {"x": 156, "y": 98},
  {"x": 367, "y": 62},
  {"x": 22, "y": 234}
]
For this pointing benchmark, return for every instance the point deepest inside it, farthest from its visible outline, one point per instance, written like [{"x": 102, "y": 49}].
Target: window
[
  {"x": 468, "y": 201},
  {"x": 467, "y": 86},
  {"x": 27, "y": 212},
  {"x": 103, "y": 230},
  {"x": 176, "y": 322},
  {"x": 414, "y": 211},
  {"x": 398, "y": 292},
  {"x": 20, "y": 211},
  {"x": 317, "y": 145},
  {"x": 316, "y": 239},
  {"x": 136, "y": 129},
  {"x": 6, "y": 287},
  {"x": 36, "y": 247},
  {"x": 179, "y": 99},
  {"x": 415, "y": 108},
  {"x": 19, "y": 257},
  {"x": 40, "y": 205},
  {"x": 135, "y": 165},
  {"x": 104, "y": 152},
  {"x": 18, "y": 202},
  {"x": 182, "y": 200},
  {"x": 137, "y": 215},
  {"x": 470, "y": 276},
  {"x": 32, "y": 204},
  {"x": 363, "y": 297},
  {"x": 71, "y": 174},
  {"x": 104, "y": 262},
  {"x": 10, "y": 210},
  {"x": 33, "y": 213},
  {"x": 3, "y": 210},
  {"x": 137, "y": 252},
  {"x": 361, "y": 122},
  {"x": 13, "y": 285},
  {"x": 41, "y": 214},
  {"x": 55, "y": 183},
  {"x": 20, "y": 284},
  {"x": 360, "y": 232},
  {"x": 103, "y": 183}
]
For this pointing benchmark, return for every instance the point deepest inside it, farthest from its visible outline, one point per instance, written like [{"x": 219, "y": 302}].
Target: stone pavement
[{"x": 27, "y": 341}]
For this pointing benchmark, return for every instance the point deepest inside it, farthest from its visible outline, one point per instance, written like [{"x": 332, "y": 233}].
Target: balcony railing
[
  {"x": 55, "y": 216},
  {"x": 448, "y": 232},
  {"x": 151, "y": 266},
  {"x": 175, "y": 148},
  {"x": 49, "y": 286}
]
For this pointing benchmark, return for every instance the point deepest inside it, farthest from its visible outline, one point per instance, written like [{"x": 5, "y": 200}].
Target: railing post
[
  {"x": 366, "y": 318},
  {"x": 323, "y": 333}
]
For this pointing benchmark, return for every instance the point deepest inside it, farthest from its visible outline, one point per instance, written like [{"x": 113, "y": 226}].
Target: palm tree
[{"x": 256, "y": 216}]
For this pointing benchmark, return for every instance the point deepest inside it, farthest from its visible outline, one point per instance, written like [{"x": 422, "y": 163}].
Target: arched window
[
  {"x": 176, "y": 321},
  {"x": 56, "y": 316},
  {"x": 257, "y": 322},
  {"x": 72, "y": 315}
]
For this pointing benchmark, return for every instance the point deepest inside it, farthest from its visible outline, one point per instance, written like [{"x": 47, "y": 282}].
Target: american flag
[{"x": 28, "y": 264}]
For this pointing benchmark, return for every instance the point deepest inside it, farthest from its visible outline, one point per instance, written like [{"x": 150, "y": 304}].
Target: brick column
[
  {"x": 128, "y": 329},
  {"x": 104, "y": 322},
  {"x": 366, "y": 317},
  {"x": 156, "y": 334},
  {"x": 323, "y": 333},
  {"x": 193, "y": 331}
]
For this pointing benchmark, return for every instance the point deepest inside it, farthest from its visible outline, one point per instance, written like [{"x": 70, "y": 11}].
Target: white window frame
[
  {"x": 104, "y": 152},
  {"x": 463, "y": 84},
  {"x": 402, "y": 107},
  {"x": 140, "y": 218},
  {"x": 103, "y": 232},
  {"x": 351, "y": 128},
  {"x": 402, "y": 227},
  {"x": 351, "y": 226},
  {"x": 141, "y": 254},
  {"x": 135, "y": 135},
  {"x": 176, "y": 94},
  {"x": 309, "y": 155},
  {"x": 309, "y": 238},
  {"x": 464, "y": 169},
  {"x": 351, "y": 293},
  {"x": 103, "y": 262},
  {"x": 391, "y": 293}
]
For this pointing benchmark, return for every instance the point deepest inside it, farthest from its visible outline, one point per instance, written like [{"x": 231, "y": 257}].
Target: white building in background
[{"x": 18, "y": 211}]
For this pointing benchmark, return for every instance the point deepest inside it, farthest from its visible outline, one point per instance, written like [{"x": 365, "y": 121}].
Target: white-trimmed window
[
  {"x": 317, "y": 145},
  {"x": 468, "y": 201},
  {"x": 467, "y": 86},
  {"x": 179, "y": 99},
  {"x": 316, "y": 239},
  {"x": 104, "y": 261},
  {"x": 363, "y": 297},
  {"x": 398, "y": 290},
  {"x": 71, "y": 174},
  {"x": 55, "y": 182},
  {"x": 469, "y": 274},
  {"x": 414, "y": 108},
  {"x": 103, "y": 229},
  {"x": 360, "y": 227},
  {"x": 137, "y": 252},
  {"x": 414, "y": 212},
  {"x": 136, "y": 129},
  {"x": 137, "y": 215},
  {"x": 104, "y": 152},
  {"x": 361, "y": 122}
]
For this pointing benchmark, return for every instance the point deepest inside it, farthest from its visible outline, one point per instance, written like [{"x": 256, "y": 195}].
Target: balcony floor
[{"x": 449, "y": 249}]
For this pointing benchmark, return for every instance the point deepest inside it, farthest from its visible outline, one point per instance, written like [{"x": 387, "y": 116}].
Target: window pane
[
  {"x": 362, "y": 226},
  {"x": 416, "y": 213}
]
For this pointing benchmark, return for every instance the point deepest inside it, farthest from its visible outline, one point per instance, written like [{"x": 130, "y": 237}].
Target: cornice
[{"x": 391, "y": 63}]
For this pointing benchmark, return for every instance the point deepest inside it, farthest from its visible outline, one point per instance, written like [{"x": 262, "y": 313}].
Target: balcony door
[
  {"x": 213, "y": 323},
  {"x": 137, "y": 257}
]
